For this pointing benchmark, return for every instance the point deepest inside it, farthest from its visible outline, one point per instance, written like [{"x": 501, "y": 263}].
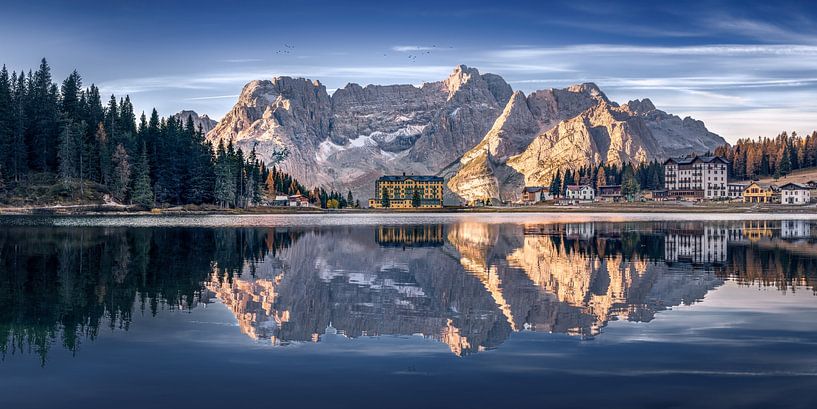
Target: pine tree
[
  {"x": 569, "y": 180},
  {"x": 556, "y": 184},
  {"x": 71, "y": 150},
  {"x": 121, "y": 173},
  {"x": 71, "y": 93},
  {"x": 19, "y": 153},
  {"x": 784, "y": 164},
  {"x": 6, "y": 122},
  {"x": 141, "y": 192},
  {"x": 103, "y": 155},
  {"x": 43, "y": 119},
  {"x": 601, "y": 177},
  {"x": 629, "y": 183},
  {"x": 224, "y": 179},
  {"x": 349, "y": 198}
]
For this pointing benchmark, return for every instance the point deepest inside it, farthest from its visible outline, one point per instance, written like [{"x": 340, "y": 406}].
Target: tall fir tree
[
  {"x": 121, "y": 173},
  {"x": 19, "y": 153},
  {"x": 141, "y": 192},
  {"x": 6, "y": 122},
  {"x": 44, "y": 120}
]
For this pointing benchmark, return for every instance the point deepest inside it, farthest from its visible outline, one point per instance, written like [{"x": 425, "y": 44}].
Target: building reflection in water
[
  {"x": 425, "y": 235},
  {"x": 483, "y": 282},
  {"x": 468, "y": 285}
]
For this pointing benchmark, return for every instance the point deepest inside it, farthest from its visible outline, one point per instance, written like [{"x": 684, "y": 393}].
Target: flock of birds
[
  {"x": 288, "y": 49},
  {"x": 412, "y": 57}
]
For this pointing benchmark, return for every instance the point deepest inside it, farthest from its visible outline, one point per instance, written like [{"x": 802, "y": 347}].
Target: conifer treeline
[
  {"x": 66, "y": 130},
  {"x": 778, "y": 156},
  {"x": 632, "y": 178}
]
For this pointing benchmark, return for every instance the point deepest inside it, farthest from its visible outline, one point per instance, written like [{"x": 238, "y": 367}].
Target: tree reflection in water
[{"x": 468, "y": 285}]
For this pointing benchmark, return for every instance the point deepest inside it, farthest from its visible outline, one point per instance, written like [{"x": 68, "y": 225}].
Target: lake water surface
[{"x": 420, "y": 311}]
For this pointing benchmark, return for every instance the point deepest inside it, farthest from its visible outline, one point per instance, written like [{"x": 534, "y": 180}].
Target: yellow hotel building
[{"x": 400, "y": 191}]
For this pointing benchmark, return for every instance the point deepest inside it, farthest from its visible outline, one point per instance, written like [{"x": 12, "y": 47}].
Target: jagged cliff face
[
  {"x": 199, "y": 121},
  {"x": 560, "y": 129},
  {"x": 348, "y": 140},
  {"x": 284, "y": 114},
  {"x": 478, "y": 284},
  {"x": 471, "y": 128}
]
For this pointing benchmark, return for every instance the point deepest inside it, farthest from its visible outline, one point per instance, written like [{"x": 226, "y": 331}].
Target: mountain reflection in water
[{"x": 469, "y": 285}]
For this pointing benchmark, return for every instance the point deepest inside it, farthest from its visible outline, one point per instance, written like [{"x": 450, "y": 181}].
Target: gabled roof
[
  {"x": 794, "y": 186},
  {"x": 688, "y": 160},
  {"x": 578, "y": 187},
  {"x": 762, "y": 186}
]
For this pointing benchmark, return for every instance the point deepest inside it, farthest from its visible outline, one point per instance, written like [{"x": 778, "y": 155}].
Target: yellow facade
[
  {"x": 410, "y": 236},
  {"x": 400, "y": 191},
  {"x": 754, "y": 193}
]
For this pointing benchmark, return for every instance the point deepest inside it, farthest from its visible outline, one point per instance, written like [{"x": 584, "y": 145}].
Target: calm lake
[{"x": 419, "y": 311}]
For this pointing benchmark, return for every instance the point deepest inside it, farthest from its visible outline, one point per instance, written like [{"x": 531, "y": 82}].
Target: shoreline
[{"x": 613, "y": 208}]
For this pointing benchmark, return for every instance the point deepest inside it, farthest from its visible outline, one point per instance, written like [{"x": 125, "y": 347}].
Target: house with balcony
[
  {"x": 735, "y": 190},
  {"x": 696, "y": 178},
  {"x": 609, "y": 193},
  {"x": 795, "y": 194},
  {"x": 757, "y": 193}
]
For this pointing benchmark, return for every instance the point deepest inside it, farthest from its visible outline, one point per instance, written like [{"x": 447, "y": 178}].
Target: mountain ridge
[{"x": 348, "y": 139}]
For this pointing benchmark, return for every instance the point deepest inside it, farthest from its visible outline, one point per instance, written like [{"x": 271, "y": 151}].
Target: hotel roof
[
  {"x": 392, "y": 178},
  {"x": 688, "y": 160}
]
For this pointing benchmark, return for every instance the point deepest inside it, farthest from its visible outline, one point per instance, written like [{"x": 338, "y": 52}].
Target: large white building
[
  {"x": 697, "y": 177},
  {"x": 795, "y": 194}
]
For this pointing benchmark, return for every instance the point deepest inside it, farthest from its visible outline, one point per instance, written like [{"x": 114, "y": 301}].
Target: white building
[
  {"x": 736, "y": 190},
  {"x": 795, "y": 229},
  {"x": 582, "y": 193},
  {"x": 704, "y": 246},
  {"x": 795, "y": 194},
  {"x": 696, "y": 177}
]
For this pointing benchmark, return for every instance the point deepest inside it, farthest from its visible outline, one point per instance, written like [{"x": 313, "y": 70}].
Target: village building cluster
[{"x": 692, "y": 178}]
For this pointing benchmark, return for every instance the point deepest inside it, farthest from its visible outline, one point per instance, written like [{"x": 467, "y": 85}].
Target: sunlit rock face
[
  {"x": 468, "y": 285},
  {"x": 348, "y": 140},
  {"x": 471, "y": 128},
  {"x": 363, "y": 289},
  {"x": 550, "y": 130}
]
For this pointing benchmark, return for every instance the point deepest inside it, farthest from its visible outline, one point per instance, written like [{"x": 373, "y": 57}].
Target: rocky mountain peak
[
  {"x": 461, "y": 75},
  {"x": 641, "y": 106},
  {"x": 471, "y": 128},
  {"x": 199, "y": 121},
  {"x": 588, "y": 88}
]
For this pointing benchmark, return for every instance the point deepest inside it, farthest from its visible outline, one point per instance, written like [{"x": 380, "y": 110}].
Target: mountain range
[{"x": 486, "y": 139}]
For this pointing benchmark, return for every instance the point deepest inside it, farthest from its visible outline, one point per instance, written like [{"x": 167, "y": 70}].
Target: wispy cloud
[
  {"x": 760, "y": 30},
  {"x": 699, "y": 50},
  {"x": 242, "y": 60},
  {"x": 213, "y": 97}
]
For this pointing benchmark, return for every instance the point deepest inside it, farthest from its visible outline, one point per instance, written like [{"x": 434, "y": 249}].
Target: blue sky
[{"x": 744, "y": 68}]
